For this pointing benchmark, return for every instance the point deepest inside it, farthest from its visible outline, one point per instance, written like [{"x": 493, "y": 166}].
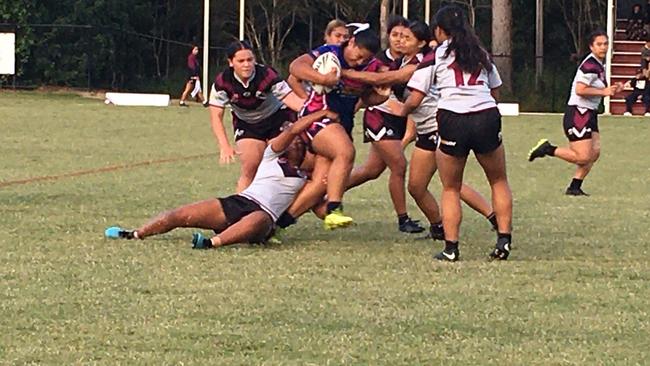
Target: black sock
[
  {"x": 551, "y": 150},
  {"x": 492, "y": 218},
  {"x": 576, "y": 183},
  {"x": 451, "y": 246},
  {"x": 332, "y": 206},
  {"x": 506, "y": 237},
  {"x": 207, "y": 243},
  {"x": 285, "y": 220},
  {"x": 403, "y": 218}
]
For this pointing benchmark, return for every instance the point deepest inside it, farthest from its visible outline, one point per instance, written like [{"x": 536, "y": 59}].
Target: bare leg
[
  {"x": 451, "y": 175},
  {"x": 475, "y": 200},
  {"x": 423, "y": 167},
  {"x": 253, "y": 226},
  {"x": 370, "y": 170},
  {"x": 334, "y": 143},
  {"x": 250, "y": 155},
  {"x": 392, "y": 154},
  {"x": 313, "y": 191},
  {"x": 188, "y": 89},
  {"x": 206, "y": 214},
  {"x": 578, "y": 152},
  {"x": 494, "y": 166},
  {"x": 583, "y": 170}
]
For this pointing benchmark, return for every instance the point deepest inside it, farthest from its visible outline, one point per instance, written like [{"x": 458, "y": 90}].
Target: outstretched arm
[
  {"x": 283, "y": 140},
  {"x": 381, "y": 78}
]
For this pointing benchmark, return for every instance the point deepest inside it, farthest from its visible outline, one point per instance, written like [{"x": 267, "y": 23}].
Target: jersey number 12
[{"x": 460, "y": 76}]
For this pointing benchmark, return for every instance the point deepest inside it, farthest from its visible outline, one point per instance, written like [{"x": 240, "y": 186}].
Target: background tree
[{"x": 502, "y": 40}]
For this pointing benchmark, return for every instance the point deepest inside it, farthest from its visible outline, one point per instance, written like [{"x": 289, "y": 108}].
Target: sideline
[{"x": 109, "y": 168}]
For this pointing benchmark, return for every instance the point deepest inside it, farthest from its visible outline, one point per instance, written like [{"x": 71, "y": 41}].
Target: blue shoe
[
  {"x": 200, "y": 242},
  {"x": 116, "y": 232}
]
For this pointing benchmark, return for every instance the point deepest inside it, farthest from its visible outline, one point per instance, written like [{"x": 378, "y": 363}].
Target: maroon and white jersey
[
  {"x": 591, "y": 73},
  {"x": 252, "y": 101},
  {"x": 381, "y": 62},
  {"x": 460, "y": 91},
  {"x": 276, "y": 183},
  {"x": 424, "y": 115}
]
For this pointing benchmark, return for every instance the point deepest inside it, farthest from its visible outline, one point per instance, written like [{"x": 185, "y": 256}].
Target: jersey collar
[{"x": 245, "y": 84}]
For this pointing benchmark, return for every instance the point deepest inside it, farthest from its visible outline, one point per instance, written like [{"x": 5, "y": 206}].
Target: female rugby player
[
  {"x": 258, "y": 97},
  {"x": 581, "y": 116}
]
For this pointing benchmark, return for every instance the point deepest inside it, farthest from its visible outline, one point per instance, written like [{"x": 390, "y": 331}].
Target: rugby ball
[{"x": 324, "y": 65}]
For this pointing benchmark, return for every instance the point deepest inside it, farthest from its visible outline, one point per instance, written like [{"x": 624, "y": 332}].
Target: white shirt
[
  {"x": 462, "y": 92},
  {"x": 425, "y": 114},
  {"x": 591, "y": 72},
  {"x": 275, "y": 185}
]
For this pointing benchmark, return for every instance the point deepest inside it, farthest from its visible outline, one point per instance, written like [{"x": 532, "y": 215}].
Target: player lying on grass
[{"x": 248, "y": 216}]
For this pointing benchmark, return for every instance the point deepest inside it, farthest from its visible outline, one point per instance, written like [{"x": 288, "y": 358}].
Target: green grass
[{"x": 575, "y": 292}]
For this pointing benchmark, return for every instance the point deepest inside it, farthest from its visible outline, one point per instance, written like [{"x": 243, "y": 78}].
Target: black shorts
[
  {"x": 579, "y": 126},
  {"x": 476, "y": 131},
  {"x": 263, "y": 130},
  {"x": 378, "y": 125},
  {"x": 235, "y": 207},
  {"x": 427, "y": 141}
]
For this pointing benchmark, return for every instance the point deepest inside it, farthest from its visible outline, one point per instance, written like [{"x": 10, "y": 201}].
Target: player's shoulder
[
  {"x": 224, "y": 78},
  {"x": 590, "y": 65},
  {"x": 428, "y": 59}
]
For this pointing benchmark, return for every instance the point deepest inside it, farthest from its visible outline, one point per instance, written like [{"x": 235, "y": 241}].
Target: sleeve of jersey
[
  {"x": 494, "y": 79},
  {"x": 277, "y": 86},
  {"x": 587, "y": 78},
  {"x": 218, "y": 98},
  {"x": 269, "y": 154},
  {"x": 421, "y": 80}
]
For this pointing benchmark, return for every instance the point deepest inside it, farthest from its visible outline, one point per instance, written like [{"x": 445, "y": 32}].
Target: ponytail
[{"x": 470, "y": 54}]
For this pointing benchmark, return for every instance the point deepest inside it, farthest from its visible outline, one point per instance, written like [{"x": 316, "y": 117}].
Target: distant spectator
[
  {"x": 645, "y": 54},
  {"x": 639, "y": 85},
  {"x": 635, "y": 24},
  {"x": 193, "y": 84}
]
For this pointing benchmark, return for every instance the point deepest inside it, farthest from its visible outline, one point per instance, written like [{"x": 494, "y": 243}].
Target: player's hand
[
  {"x": 619, "y": 86},
  {"x": 627, "y": 84},
  {"x": 610, "y": 91},
  {"x": 330, "y": 79},
  {"x": 227, "y": 155},
  {"x": 382, "y": 90},
  {"x": 333, "y": 116}
]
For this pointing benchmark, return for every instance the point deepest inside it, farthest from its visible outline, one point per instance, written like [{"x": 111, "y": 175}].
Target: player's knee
[
  {"x": 595, "y": 155},
  {"x": 416, "y": 191},
  {"x": 373, "y": 173},
  {"x": 399, "y": 168},
  {"x": 346, "y": 155}
]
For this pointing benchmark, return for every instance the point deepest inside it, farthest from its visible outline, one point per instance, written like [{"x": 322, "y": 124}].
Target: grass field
[{"x": 575, "y": 292}]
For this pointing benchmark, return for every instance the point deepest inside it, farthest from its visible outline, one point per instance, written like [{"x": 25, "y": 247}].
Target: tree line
[{"x": 142, "y": 44}]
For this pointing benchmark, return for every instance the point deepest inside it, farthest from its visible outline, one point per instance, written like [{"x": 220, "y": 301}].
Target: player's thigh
[
  {"x": 206, "y": 214},
  {"x": 250, "y": 152},
  {"x": 332, "y": 142},
  {"x": 422, "y": 168},
  {"x": 494, "y": 164}
]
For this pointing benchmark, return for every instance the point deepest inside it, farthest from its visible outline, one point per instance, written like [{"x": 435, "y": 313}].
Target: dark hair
[
  {"x": 470, "y": 54},
  {"x": 422, "y": 32},
  {"x": 396, "y": 21},
  {"x": 595, "y": 34},
  {"x": 366, "y": 39},
  {"x": 235, "y": 46}
]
